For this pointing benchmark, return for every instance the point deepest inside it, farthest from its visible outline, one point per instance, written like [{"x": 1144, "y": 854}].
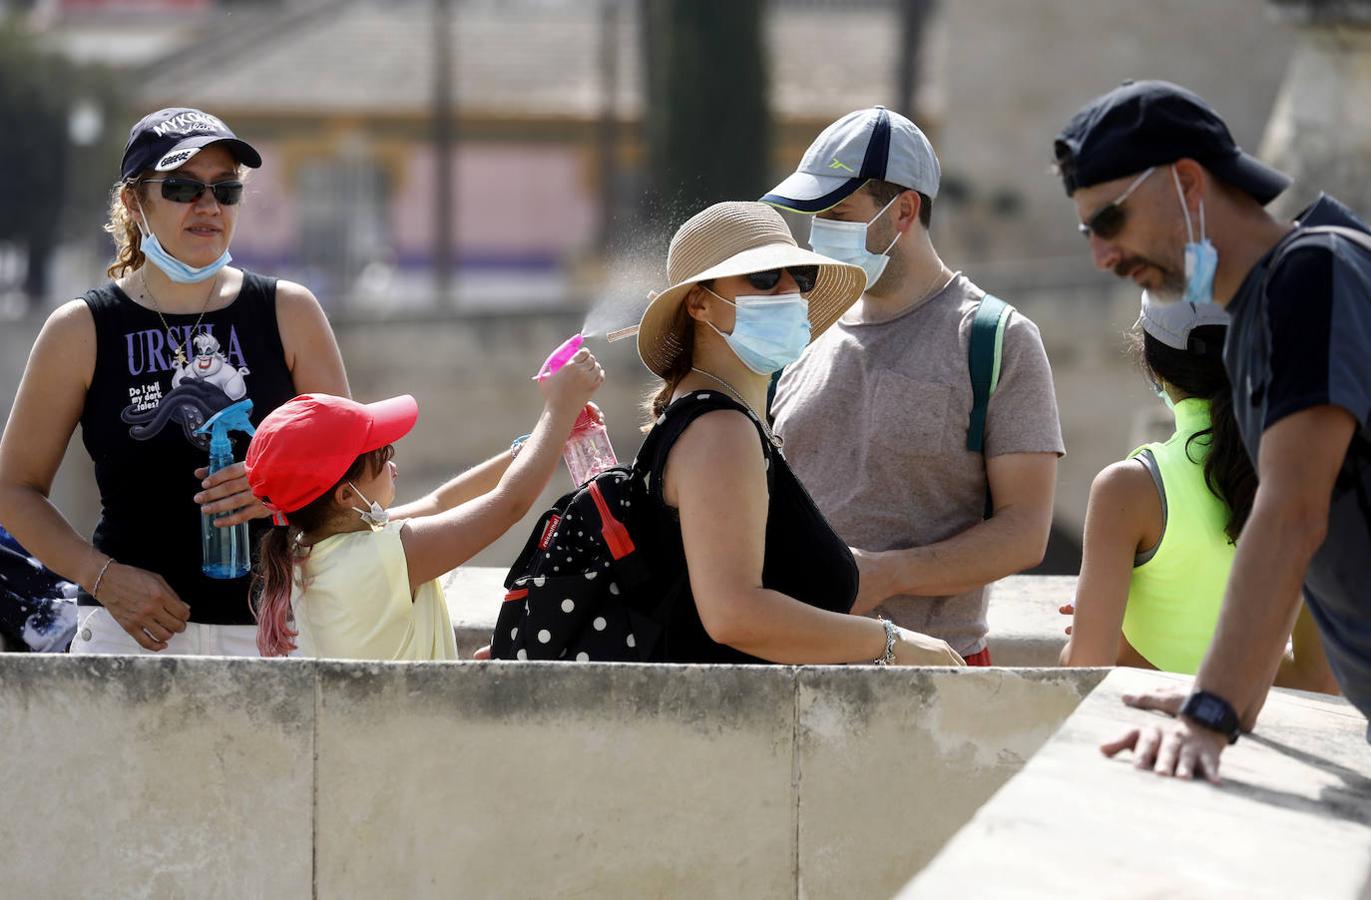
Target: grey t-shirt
[
  {"x": 1304, "y": 342},
  {"x": 874, "y": 418}
]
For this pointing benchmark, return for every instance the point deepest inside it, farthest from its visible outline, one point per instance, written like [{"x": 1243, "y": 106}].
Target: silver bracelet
[
  {"x": 518, "y": 444},
  {"x": 95, "y": 588},
  {"x": 891, "y": 635}
]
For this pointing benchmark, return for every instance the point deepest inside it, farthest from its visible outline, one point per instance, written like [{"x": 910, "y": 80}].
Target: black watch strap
[{"x": 1213, "y": 712}]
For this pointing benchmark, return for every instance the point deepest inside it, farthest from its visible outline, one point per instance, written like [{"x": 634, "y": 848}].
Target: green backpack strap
[{"x": 983, "y": 358}]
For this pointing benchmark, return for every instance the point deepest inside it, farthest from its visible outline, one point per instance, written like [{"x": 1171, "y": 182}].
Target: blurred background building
[{"x": 463, "y": 183}]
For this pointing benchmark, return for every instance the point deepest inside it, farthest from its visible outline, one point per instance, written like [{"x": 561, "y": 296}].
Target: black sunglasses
[
  {"x": 805, "y": 277},
  {"x": 188, "y": 190},
  {"x": 1108, "y": 220}
]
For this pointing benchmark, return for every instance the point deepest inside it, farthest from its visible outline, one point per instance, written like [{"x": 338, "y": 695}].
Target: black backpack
[{"x": 585, "y": 586}]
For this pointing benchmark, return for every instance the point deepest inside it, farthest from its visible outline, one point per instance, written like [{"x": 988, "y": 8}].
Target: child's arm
[
  {"x": 437, "y": 544},
  {"x": 472, "y": 483}
]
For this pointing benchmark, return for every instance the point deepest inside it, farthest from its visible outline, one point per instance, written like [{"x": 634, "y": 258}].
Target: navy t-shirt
[{"x": 1305, "y": 341}]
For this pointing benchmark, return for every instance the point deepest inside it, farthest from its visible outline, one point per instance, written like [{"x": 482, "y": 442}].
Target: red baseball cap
[{"x": 307, "y": 444}]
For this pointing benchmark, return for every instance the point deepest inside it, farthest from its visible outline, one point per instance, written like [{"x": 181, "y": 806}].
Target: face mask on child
[{"x": 375, "y": 514}]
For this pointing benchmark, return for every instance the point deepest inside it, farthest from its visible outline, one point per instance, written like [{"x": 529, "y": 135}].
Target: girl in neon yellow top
[
  {"x": 1162, "y": 525},
  {"x": 355, "y": 579}
]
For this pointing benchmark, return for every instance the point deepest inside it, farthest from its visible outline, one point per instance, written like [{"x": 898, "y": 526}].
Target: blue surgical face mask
[
  {"x": 846, "y": 242},
  {"x": 770, "y": 331},
  {"x": 172, "y": 267},
  {"x": 1201, "y": 259}
]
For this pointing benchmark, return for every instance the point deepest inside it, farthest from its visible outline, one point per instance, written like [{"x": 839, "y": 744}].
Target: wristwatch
[
  {"x": 891, "y": 633},
  {"x": 1213, "y": 712}
]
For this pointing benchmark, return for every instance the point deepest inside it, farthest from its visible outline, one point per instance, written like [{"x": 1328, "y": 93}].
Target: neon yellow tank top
[{"x": 1174, "y": 597}]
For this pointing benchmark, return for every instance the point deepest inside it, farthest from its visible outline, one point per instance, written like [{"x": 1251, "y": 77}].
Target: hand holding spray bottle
[
  {"x": 224, "y": 551},
  {"x": 587, "y": 452}
]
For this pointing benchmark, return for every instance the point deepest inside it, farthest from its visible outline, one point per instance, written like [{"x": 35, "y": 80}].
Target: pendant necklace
[{"x": 181, "y": 360}]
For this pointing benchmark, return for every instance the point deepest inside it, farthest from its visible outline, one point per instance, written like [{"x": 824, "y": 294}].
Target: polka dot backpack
[{"x": 585, "y": 586}]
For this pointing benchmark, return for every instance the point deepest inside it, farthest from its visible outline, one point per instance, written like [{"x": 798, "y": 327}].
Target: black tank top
[
  {"x": 805, "y": 559},
  {"x": 138, "y": 420}
]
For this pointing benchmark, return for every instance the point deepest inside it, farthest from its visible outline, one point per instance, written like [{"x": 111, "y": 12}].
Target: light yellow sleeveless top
[
  {"x": 1174, "y": 597},
  {"x": 354, "y": 602}
]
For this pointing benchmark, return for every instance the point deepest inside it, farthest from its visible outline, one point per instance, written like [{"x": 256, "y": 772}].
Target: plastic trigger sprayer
[
  {"x": 587, "y": 452},
  {"x": 224, "y": 550}
]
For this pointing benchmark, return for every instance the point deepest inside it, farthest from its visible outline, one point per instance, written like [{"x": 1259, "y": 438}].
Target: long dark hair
[
  {"x": 280, "y": 552},
  {"x": 1198, "y": 371}
]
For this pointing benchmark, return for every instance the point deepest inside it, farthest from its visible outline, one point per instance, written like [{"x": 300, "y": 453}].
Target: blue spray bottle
[{"x": 224, "y": 550}]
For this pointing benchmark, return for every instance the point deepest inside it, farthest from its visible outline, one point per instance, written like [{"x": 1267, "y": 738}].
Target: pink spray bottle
[{"x": 587, "y": 452}]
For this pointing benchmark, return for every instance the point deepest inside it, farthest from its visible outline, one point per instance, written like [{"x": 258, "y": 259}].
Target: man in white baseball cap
[{"x": 932, "y": 453}]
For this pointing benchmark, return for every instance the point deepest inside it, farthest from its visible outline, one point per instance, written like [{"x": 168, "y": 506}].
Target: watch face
[
  {"x": 1208, "y": 709},
  {"x": 1213, "y": 713}
]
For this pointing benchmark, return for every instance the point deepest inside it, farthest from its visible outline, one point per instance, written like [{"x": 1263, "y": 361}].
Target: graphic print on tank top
[{"x": 200, "y": 387}]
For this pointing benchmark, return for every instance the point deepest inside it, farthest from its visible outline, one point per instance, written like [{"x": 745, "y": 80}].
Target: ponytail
[{"x": 272, "y": 587}]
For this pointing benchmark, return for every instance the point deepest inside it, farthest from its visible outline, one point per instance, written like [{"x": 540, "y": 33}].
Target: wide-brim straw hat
[{"x": 738, "y": 238}]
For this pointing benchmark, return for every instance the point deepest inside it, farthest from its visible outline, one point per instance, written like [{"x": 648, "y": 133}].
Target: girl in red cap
[{"x": 359, "y": 581}]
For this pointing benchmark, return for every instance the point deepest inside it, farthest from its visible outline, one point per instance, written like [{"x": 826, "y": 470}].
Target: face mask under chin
[{"x": 178, "y": 271}]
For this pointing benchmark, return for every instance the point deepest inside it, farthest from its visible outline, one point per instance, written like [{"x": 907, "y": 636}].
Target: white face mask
[
  {"x": 375, "y": 514},
  {"x": 846, "y": 242}
]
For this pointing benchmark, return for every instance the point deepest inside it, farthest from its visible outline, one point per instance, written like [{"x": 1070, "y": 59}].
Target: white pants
[{"x": 97, "y": 632}]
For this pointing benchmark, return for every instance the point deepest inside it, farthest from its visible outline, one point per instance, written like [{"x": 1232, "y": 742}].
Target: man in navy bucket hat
[
  {"x": 1167, "y": 198},
  {"x": 923, "y": 422}
]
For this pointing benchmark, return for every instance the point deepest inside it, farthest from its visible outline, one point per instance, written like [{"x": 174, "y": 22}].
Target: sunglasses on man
[
  {"x": 187, "y": 190},
  {"x": 1108, "y": 220},
  {"x": 805, "y": 277}
]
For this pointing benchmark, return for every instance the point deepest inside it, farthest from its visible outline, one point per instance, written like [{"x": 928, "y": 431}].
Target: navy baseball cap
[
  {"x": 867, "y": 144},
  {"x": 1153, "y": 123},
  {"x": 167, "y": 139}
]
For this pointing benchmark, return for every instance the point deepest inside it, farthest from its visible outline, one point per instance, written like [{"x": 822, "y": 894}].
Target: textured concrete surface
[
  {"x": 541, "y": 779},
  {"x": 890, "y": 767},
  {"x": 155, "y": 777},
  {"x": 1025, "y": 627},
  {"x": 192, "y": 776},
  {"x": 1292, "y": 817}
]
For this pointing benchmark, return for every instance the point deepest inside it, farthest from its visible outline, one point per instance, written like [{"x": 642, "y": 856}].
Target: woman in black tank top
[
  {"x": 768, "y": 579},
  {"x": 141, "y": 363}
]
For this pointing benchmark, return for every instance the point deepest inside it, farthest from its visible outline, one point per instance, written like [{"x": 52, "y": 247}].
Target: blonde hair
[{"x": 122, "y": 226}]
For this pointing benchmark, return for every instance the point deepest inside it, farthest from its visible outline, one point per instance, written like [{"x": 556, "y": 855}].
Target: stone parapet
[
  {"x": 192, "y": 776},
  {"x": 1292, "y": 817}
]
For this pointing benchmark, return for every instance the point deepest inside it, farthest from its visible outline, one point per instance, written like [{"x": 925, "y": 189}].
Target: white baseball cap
[
  {"x": 1171, "y": 323},
  {"x": 867, "y": 144}
]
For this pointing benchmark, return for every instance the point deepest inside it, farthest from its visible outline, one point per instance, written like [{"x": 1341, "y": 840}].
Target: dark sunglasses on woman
[
  {"x": 188, "y": 190},
  {"x": 804, "y": 276}
]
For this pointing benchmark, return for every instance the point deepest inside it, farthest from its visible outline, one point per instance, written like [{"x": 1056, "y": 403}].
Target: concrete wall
[
  {"x": 1291, "y": 818},
  {"x": 209, "y": 777}
]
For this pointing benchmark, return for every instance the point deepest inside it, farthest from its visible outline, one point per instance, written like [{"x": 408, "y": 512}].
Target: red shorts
[{"x": 979, "y": 659}]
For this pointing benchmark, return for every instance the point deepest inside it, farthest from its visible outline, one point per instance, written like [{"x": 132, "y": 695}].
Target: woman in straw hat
[{"x": 769, "y": 580}]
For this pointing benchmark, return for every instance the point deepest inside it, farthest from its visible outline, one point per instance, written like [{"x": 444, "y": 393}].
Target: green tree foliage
[{"x": 707, "y": 113}]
